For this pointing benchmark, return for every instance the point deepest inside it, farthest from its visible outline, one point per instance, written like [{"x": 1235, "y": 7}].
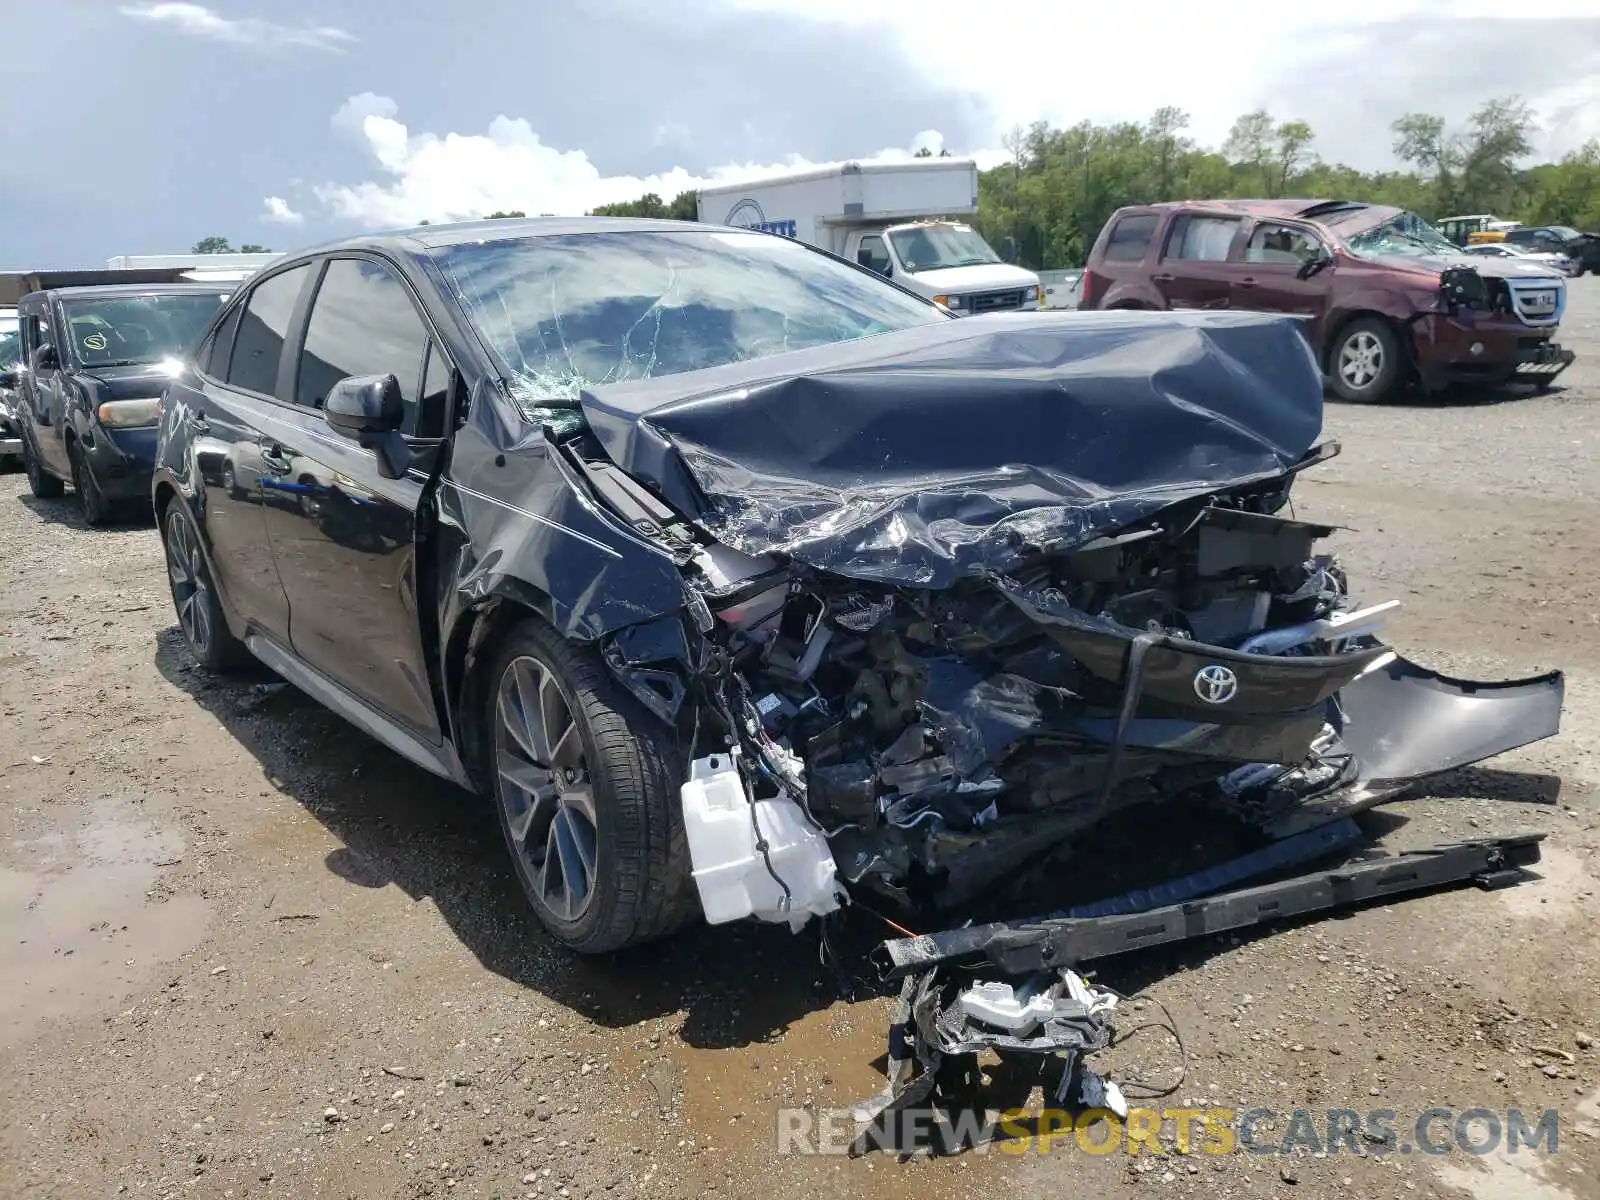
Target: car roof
[
  {"x": 1303, "y": 208},
  {"x": 112, "y": 291},
  {"x": 423, "y": 238}
]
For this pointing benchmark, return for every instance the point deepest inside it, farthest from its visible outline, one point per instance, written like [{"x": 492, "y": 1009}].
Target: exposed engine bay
[
  {"x": 942, "y": 740},
  {"x": 952, "y": 598},
  {"x": 922, "y": 746}
]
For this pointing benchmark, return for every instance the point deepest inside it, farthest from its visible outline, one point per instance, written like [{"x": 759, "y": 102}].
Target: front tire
[
  {"x": 1364, "y": 363},
  {"x": 96, "y": 509},
  {"x": 194, "y": 595},
  {"x": 586, "y": 786}
]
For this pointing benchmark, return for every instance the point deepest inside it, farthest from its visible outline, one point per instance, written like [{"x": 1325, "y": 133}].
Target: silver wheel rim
[
  {"x": 1361, "y": 359},
  {"x": 190, "y": 593},
  {"x": 544, "y": 790}
]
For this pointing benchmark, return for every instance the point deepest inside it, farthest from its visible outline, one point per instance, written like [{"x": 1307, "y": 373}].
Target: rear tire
[
  {"x": 1364, "y": 362},
  {"x": 586, "y": 783},
  {"x": 40, "y": 482},
  {"x": 194, "y": 595}
]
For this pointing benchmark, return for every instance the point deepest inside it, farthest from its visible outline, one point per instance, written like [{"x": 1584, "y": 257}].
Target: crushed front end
[
  {"x": 953, "y": 597},
  {"x": 1491, "y": 328}
]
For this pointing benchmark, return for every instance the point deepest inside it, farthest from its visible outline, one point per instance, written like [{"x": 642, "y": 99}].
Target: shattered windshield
[
  {"x": 1402, "y": 234},
  {"x": 116, "y": 331},
  {"x": 563, "y": 313},
  {"x": 935, "y": 247}
]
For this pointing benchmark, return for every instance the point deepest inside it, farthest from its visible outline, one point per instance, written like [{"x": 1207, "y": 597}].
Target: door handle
[
  {"x": 1247, "y": 281},
  {"x": 1162, "y": 278},
  {"x": 272, "y": 458}
]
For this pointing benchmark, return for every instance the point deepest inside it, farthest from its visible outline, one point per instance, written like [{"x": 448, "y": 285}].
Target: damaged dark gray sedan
[{"x": 750, "y": 584}]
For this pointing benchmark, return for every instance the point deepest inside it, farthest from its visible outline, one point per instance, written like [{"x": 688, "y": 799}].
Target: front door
[
  {"x": 342, "y": 534},
  {"x": 1269, "y": 278},
  {"x": 1193, "y": 271},
  {"x": 41, "y": 387}
]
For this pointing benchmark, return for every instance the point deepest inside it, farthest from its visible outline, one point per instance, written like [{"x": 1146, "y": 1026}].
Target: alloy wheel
[
  {"x": 1361, "y": 359},
  {"x": 191, "y": 592},
  {"x": 545, "y": 789}
]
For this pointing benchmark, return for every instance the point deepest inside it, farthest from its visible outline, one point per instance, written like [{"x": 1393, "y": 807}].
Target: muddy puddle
[{"x": 79, "y": 927}]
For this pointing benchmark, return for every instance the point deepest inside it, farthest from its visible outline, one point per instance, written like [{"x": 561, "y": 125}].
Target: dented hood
[{"x": 923, "y": 455}]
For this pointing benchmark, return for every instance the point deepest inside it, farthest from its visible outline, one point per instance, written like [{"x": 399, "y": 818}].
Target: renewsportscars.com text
[{"x": 1210, "y": 1131}]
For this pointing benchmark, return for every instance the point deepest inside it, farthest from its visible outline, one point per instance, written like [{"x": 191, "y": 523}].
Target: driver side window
[
  {"x": 874, "y": 254},
  {"x": 363, "y": 322},
  {"x": 35, "y": 336},
  {"x": 1282, "y": 245}
]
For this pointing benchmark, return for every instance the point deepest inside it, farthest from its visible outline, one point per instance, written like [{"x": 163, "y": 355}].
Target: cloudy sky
[{"x": 139, "y": 126}]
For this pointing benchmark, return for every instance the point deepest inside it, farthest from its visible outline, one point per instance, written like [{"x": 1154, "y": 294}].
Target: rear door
[
  {"x": 344, "y": 535},
  {"x": 1268, "y": 279},
  {"x": 242, "y": 384},
  {"x": 1194, "y": 269}
]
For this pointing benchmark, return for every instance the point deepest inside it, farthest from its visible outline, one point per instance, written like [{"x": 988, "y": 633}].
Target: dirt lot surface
[{"x": 246, "y": 951}]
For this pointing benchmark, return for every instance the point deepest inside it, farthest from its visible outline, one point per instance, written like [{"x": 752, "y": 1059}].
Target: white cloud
[
  {"x": 196, "y": 20},
  {"x": 459, "y": 176},
  {"x": 1064, "y": 63},
  {"x": 278, "y": 212}
]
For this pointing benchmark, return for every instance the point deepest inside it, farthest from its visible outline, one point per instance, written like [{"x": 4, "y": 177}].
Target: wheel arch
[
  {"x": 161, "y": 499},
  {"x": 1343, "y": 321},
  {"x": 474, "y": 634}
]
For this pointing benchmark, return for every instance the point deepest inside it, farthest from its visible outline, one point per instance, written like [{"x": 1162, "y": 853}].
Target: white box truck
[
  {"x": 232, "y": 267},
  {"x": 896, "y": 218}
]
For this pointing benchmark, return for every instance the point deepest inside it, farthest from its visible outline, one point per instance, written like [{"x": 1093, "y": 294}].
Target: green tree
[
  {"x": 1499, "y": 136},
  {"x": 252, "y": 248},
  {"x": 685, "y": 206},
  {"x": 497, "y": 215},
  {"x": 1251, "y": 147},
  {"x": 1165, "y": 135},
  {"x": 1293, "y": 146},
  {"x": 214, "y": 244}
]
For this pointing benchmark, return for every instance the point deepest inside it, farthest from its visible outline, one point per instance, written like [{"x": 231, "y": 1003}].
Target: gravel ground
[{"x": 252, "y": 953}]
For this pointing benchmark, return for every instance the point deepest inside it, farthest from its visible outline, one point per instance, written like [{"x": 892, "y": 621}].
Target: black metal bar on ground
[
  {"x": 1286, "y": 852},
  {"x": 1022, "y": 947}
]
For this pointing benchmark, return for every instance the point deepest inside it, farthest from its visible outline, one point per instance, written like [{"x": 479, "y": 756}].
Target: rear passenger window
[
  {"x": 262, "y": 329},
  {"x": 214, "y": 359},
  {"x": 1130, "y": 238},
  {"x": 1201, "y": 239}
]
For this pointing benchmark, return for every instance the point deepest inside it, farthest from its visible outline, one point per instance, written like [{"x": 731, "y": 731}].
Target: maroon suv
[{"x": 1388, "y": 300}]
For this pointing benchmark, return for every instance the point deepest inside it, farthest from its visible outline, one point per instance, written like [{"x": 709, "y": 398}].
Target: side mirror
[
  {"x": 45, "y": 358},
  {"x": 1314, "y": 263},
  {"x": 10, "y": 378},
  {"x": 1008, "y": 250},
  {"x": 863, "y": 256},
  {"x": 363, "y": 404}
]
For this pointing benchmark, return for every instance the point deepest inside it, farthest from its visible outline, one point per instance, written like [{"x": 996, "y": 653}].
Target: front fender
[{"x": 516, "y": 531}]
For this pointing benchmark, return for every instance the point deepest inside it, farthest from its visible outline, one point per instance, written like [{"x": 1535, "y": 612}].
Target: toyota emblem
[{"x": 1215, "y": 684}]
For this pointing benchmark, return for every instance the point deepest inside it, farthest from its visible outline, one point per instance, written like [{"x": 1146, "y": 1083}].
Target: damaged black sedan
[{"x": 750, "y": 584}]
